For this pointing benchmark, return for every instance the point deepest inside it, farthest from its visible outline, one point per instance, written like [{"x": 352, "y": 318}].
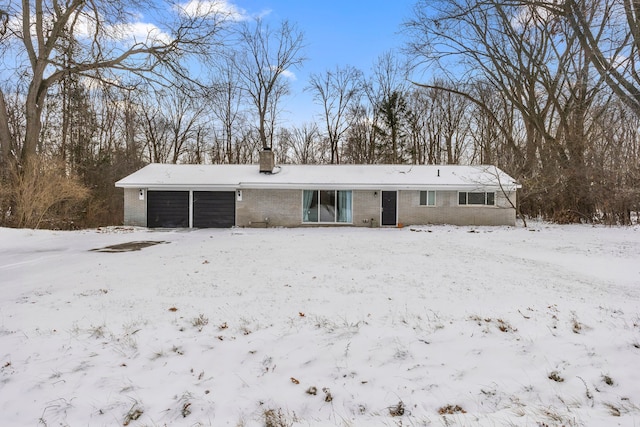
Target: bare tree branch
[
  {"x": 267, "y": 55},
  {"x": 336, "y": 91},
  {"x": 97, "y": 31}
]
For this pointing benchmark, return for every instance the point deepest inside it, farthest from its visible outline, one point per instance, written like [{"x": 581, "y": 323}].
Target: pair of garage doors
[{"x": 211, "y": 209}]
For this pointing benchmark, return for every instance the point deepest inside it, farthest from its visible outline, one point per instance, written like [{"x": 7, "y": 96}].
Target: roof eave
[{"x": 313, "y": 186}]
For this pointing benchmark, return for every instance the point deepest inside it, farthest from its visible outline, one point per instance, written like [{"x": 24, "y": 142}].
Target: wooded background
[{"x": 548, "y": 91}]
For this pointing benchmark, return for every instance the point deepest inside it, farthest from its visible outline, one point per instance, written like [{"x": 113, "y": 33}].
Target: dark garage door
[
  {"x": 214, "y": 209},
  {"x": 169, "y": 209}
]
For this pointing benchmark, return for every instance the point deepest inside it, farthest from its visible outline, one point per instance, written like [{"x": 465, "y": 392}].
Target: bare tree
[
  {"x": 156, "y": 135},
  {"x": 4, "y": 21},
  {"x": 536, "y": 62},
  {"x": 5, "y": 136},
  {"x": 263, "y": 63},
  {"x": 386, "y": 91},
  {"x": 198, "y": 144},
  {"x": 301, "y": 144},
  {"x": 490, "y": 145},
  {"x": 174, "y": 124},
  {"x": 101, "y": 49},
  {"x": 450, "y": 120},
  {"x": 616, "y": 149},
  {"x": 360, "y": 140},
  {"x": 112, "y": 151},
  {"x": 418, "y": 113},
  {"x": 439, "y": 125},
  {"x": 336, "y": 91},
  {"x": 226, "y": 98},
  {"x": 5, "y": 132},
  {"x": 389, "y": 75},
  {"x": 609, "y": 31},
  {"x": 487, "y": 44}
]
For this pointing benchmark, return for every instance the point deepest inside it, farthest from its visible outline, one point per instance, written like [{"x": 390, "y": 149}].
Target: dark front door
[
  {"x": 389, "y": 207},
  {"x": 214, "y": 209},
  {"x": 169, "y": 209}
]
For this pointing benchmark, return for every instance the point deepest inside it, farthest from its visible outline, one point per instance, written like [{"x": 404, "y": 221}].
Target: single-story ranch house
[{"x": 206, "y": 196}]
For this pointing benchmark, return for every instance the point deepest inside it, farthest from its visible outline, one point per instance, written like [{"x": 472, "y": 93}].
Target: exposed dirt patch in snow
[{"x": 129, "y": 246}]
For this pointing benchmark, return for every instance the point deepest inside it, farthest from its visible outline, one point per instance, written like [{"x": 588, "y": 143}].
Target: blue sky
[{"x": 337, "y": 33}]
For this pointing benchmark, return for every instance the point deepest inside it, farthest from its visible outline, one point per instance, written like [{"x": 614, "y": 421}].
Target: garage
[
  {"x": 214, "y": 209},
  {"x": 167, "y": 209},
  {"x": 230, "y": 195}
]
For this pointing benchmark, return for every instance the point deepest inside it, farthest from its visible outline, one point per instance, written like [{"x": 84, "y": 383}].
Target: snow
[
  {"x": 321, "y": 326},
  {"x": 373, "y": 177}
]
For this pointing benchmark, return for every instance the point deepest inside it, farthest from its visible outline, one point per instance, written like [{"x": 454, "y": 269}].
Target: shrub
[{"x": 43, "y": 191}]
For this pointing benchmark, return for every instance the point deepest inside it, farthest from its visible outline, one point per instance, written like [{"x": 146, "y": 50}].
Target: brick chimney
[{"x": 267, "y": 160}]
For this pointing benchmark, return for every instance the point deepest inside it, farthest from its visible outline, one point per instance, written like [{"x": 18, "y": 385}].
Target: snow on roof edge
[{"x": 172, "y": 176}]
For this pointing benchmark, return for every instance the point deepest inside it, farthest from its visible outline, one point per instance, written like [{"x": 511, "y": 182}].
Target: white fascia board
[
  {"x": 303, "y": 186},
  {"x": 371, "y": 187},
  {"x": 181, "y": 187},
  {"x": 316, "y": 186}
]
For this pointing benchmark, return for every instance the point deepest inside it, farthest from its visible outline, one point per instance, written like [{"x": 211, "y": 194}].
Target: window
[
  {"x": 326, "y": 206},
  {"x": 427, "y": 198},
  {"x": 476, "y": 198}
]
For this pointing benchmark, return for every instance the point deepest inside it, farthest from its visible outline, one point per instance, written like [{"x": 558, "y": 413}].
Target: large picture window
[
  {"x": 327, "y": 206},
  {"x": 476, "y": 198}
]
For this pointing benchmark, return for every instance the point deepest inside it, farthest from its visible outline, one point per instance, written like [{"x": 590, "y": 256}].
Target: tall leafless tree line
[
  {"x": 559, "y": 69},
  {"x": 524, "y": 85}
]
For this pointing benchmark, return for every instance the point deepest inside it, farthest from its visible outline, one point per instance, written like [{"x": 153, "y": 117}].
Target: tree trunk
[
  {"x": 5, "y": 137},
  {"x": 33, "y": 116}
]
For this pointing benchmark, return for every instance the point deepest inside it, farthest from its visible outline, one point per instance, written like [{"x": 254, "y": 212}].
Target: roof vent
[{"x": 267, "y": 160}]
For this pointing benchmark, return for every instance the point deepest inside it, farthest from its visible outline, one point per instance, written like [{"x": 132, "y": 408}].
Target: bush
[{"x": 42, "y": 192}]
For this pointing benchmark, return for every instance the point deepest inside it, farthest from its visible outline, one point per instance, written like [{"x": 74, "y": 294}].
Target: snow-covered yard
[{"x": 326, "y": 326}]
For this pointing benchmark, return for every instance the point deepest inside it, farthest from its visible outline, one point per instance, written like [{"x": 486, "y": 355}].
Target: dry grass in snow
[{"x": 336, "y": 326}]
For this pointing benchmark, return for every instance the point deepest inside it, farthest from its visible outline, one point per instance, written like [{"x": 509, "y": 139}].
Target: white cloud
[
  {"x": 290, "y": 75},
  {"x": 85, "y": 28},
  {"x": 285, "y": 73},
  {"x": 204, "y": 8},
  {"x": 140, "y": 32},
  {"x": 530, "y": 15}
]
